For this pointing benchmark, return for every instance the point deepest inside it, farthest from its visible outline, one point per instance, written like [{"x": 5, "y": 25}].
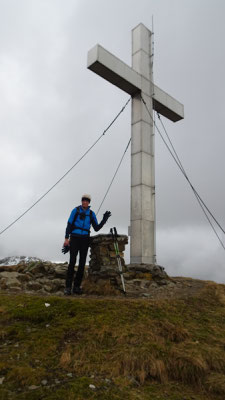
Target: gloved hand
[
  {"x": 106, "y": 216},
  {"x": 65, "y": 249}
]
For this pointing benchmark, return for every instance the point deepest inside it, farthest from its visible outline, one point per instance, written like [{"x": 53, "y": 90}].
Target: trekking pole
[{"x": 114, "y": 234}]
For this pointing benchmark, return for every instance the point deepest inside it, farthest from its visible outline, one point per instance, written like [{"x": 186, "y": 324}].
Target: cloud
[{"x": 191, "y": 251}]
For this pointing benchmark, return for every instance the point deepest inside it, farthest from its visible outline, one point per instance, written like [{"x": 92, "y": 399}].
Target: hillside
[{"x": 113, "y": 348}]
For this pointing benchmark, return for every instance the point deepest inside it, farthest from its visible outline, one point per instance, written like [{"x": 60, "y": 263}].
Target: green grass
[{"x": 128, "y": 349}]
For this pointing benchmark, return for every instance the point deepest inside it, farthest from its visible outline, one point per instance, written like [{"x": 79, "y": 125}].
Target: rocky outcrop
[
  {"x": 102, "y": 277},
  {"x": 42, "y": 277},
  {"x": 49, "y": 279}
]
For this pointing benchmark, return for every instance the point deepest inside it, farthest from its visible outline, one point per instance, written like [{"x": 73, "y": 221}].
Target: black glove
[
  {"x": 65, "y": 249},
  {"x": 106, "y": 216}
]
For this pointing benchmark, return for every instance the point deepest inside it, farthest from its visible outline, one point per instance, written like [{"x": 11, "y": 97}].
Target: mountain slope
[{"x": 89, "y": 348}]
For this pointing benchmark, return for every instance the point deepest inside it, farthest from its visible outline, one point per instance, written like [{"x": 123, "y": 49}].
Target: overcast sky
[{"x": 52, "y": 108}]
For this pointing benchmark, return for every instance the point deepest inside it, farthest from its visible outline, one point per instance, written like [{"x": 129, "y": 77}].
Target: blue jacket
[{"x": 84, "y": 220}]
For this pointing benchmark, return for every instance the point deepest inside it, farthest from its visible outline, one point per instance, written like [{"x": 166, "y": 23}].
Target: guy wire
[
  {"x": 70, "y": 169},
  {"x": 180, "y": 166}
]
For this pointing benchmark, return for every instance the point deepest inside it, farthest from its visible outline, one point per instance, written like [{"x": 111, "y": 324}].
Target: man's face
[{"x": 85, "y": 204}]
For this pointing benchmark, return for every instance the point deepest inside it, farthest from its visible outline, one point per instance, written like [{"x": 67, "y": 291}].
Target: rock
[
  {"x": 154, "y": 285},
  {"x": 57, "y": 284},
  {"x": 60, "y": 271},
  {"x": 1, "y": 380},
  {"x": 93, "y": 387},
  {"x": 7, "y": 268},
  {"x": 44, "y": 382},
  {"x": 3, "y": 284},
  {"x": 21, "y": 267},
  {"x": 38, "y": 268},
  {"x": 47, "y": 288},
  {"x": 136, "y": 282},
  {"x": 24, "y": 277},
  {"x": 33, "y": 286},
  {"x": 15, "y": 288},
  {"x": 33, "y": 387},
  {"x": 156, "y": 271},
  {"x": 162, "y": 282},
  {"x": 10, "y": 274}
]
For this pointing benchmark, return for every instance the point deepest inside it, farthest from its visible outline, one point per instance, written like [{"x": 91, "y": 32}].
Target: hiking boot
[
  {"x": 67, "y": 292},
  {"x": 77, "y": 290}
]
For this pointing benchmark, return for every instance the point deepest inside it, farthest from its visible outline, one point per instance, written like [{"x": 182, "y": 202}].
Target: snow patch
[{"x": 14, "y": 260}]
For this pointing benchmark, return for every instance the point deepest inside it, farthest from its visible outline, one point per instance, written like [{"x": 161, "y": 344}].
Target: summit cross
[{"x": 137, "y": 81}]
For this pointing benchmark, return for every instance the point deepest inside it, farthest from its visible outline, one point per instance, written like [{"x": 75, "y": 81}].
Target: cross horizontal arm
[
  {"x": 167, "y": 106},
  {"x": 126, "y": 78},
  {"x": 113, "y": 70}
]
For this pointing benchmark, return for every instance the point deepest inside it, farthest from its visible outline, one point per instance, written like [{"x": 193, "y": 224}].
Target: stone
[
  {"x": 44, "y": 382},
  {"x": 3, "y": 284},
  {"x": 57, "y": 284},
  {"x": 10, "y": 274},
  {"x": 38, "y": 268},
  {"x": 162, "y": 282},
  {"x": 47, "y": 288},
  {"x": 102, "y": 250},
  {"x": 21, "y": 267},
  {"x": 33, "y": 387},
  {"x": 33, "y": 286},
  {"x": 15, "y": 288},
  {"x": 60, "y": 271},
  {"x": 24, "y": 277},
  {"x": 9, "y": 279},
  {"x": 7, "y": 268},
  {"x": 155, "y": 270}
]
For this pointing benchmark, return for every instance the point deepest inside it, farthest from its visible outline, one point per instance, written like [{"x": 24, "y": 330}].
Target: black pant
[{"x": 77, "y": 244}]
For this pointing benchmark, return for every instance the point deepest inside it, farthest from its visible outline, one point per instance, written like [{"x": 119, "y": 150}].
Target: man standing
[{"x": 77, "y": 239}]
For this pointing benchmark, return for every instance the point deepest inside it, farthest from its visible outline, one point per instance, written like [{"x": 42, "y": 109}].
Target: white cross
[{"x": 138, "y": 82}]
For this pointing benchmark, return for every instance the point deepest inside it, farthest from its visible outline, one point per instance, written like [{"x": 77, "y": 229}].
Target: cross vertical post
[
  {"x": 142, "y": 230},
  {"x": 137, "y": 81}
]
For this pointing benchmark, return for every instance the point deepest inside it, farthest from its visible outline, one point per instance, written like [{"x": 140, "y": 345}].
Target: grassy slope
[{"x": 128, "y": 349}]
